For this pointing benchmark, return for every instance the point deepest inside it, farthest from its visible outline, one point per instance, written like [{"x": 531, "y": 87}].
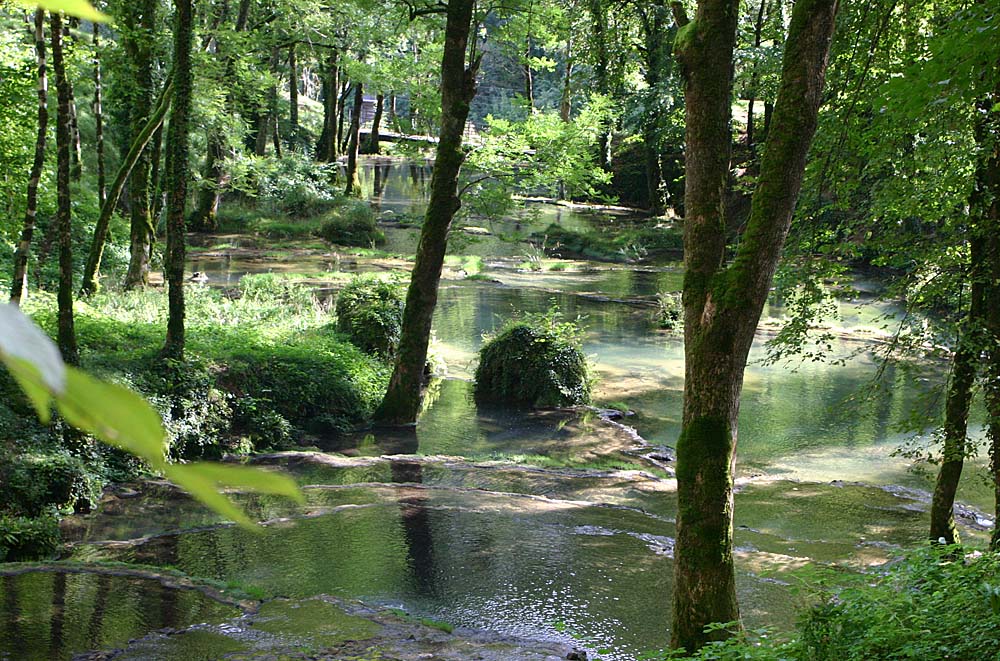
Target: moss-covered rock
[
  {"x": 370, "y": 313},
  {"x": 533, "y": 364}
]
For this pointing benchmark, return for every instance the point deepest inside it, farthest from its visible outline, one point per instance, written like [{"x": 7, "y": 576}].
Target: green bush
[
  {"x": 352, "y": 224},
  {"x": 293, "y": 184},
  {"x": 537, "y": 361},
  {"x": 928, "y": 606},
  {"x": 36, "y": 482},
  {"x": 669, "y": 311},
  {"x": 23, "y": 538},
  {"x": 934, "y": 603},
  {"x": 370, "y": 313}
]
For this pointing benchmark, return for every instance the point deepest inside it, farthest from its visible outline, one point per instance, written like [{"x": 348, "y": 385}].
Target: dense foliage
[{"x": 537, "y": 361}]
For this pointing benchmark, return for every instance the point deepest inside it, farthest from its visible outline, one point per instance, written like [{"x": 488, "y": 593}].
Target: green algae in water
[
  {"x": 313, "y": 622},
  {"x": 54, "y": 615},
  {"x": 194, "y": 645}
]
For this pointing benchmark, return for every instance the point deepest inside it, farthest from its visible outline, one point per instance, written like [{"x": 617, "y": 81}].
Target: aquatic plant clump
[
  {"x": 352, "y": 224},
  {"x": 536, "y": 362},
  {"x": 370, "y": 313}
]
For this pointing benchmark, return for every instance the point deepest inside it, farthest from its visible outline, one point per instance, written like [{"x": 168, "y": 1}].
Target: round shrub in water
[
  {"x": 370, "y": 313},
  {"x": 537, "y": 362}
]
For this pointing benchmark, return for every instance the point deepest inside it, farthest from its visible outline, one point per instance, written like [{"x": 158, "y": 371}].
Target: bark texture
[
  {"x": 327, "y": 147},
  {"x": 66, "y": 332},
  {"x": 458, "y": 87},
  {"x": 722, "y": 304},
  {"x": 19, "y": 283},
  {"x": 373, "y": 146},
  {"x": 963, "y": 376},
  {"x": 176, "y": 179},
  {"x": 353, "y": 183},
  {"x": 137, "y": 43}
]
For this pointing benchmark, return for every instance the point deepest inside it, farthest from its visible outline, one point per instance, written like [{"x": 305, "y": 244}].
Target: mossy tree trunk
[
  {"x": 602, "y": 72},
  {"x": 353, "y": 183},
  {"x": 92, "y": 268},
  {"x": 655, "y": 22},
  {"x": 963, "y": 376},
  {"x": 137, "y": 43},
  {"x": 19, "y": 283},
  {"x": 66, "y": 332},
  {"x": 723, "y": 303},
  {"x": 401, "y": 403},
  {"x": 176, "y": 178}
]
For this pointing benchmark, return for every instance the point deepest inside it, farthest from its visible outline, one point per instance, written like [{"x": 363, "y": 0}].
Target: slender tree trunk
[
  {"x": 92, "y": 269},
  {"x": 327, "y": 147},
  {"x": 393, "y": 120},
  {"x": 566, "y": 101},
  {"x": 293, "y": 94},
  {"x": 176, "y": 178},
  {"x": 155, "y": 172},
  {"x": 98, "y": 117},
  {"x": 963, "y": 375},
  {"x": 137, "y": 44},
  {"x": 272, "y": 103},
  {"x": 19, "y": 284},
  {"x": 341, "y": 115},
  {"x": 353, "y": 183},
  {"x": 458, "y": 86},
  {"x": 373, "y": 147},
  {"x": 529, "y": 83},
  {"x": 66, "y": 331},
  {"x": 722, "y": 304}
]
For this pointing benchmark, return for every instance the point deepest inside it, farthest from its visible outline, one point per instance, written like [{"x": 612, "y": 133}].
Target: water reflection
[{"x": 55, "y": 615}]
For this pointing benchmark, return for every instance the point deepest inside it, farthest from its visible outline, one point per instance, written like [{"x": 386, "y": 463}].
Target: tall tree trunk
[
  {"x": 372, "y": 146},
  {"x": 272, "y": 102},
  {"x": 353, "y": 183},
  {"x": 529, "y": 83},
  {"x": 722, "y": 304},
  {"x": 988, "y": 192},
  {"x": 92, "y": 269},
  {"x": 293, "y": 94},
  {"x": 66, "y": 331},
  {"x": 566, "y": 100},
  {"x": 393, "y": 120},
  {"x": 155, "y": 172},
  {"x": 341, "y": 115},
  {"x": 963, "y": 375},
  {"x": 137, "y": 43},
  {"x": 19, "y": 284},
  {"x": 458, "y": 87},
  {"x": 327, "y": 148},
  {"x": 98, "y": 117},
  {"x": 176, "y": 179}
]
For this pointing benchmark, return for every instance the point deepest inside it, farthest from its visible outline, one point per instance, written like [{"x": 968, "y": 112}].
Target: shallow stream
[{"x": 549, "y": 525}]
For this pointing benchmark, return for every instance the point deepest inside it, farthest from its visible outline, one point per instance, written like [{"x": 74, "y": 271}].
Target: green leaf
[
  {"x": 203, "y": 488},
  {"x": 245, "y": 477},
  {"x": 20, "y": 338},
  {"x": 78, "y": 8},
  {"x": 114, "y": 414},
  {"x": 31, "y": 382}
]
